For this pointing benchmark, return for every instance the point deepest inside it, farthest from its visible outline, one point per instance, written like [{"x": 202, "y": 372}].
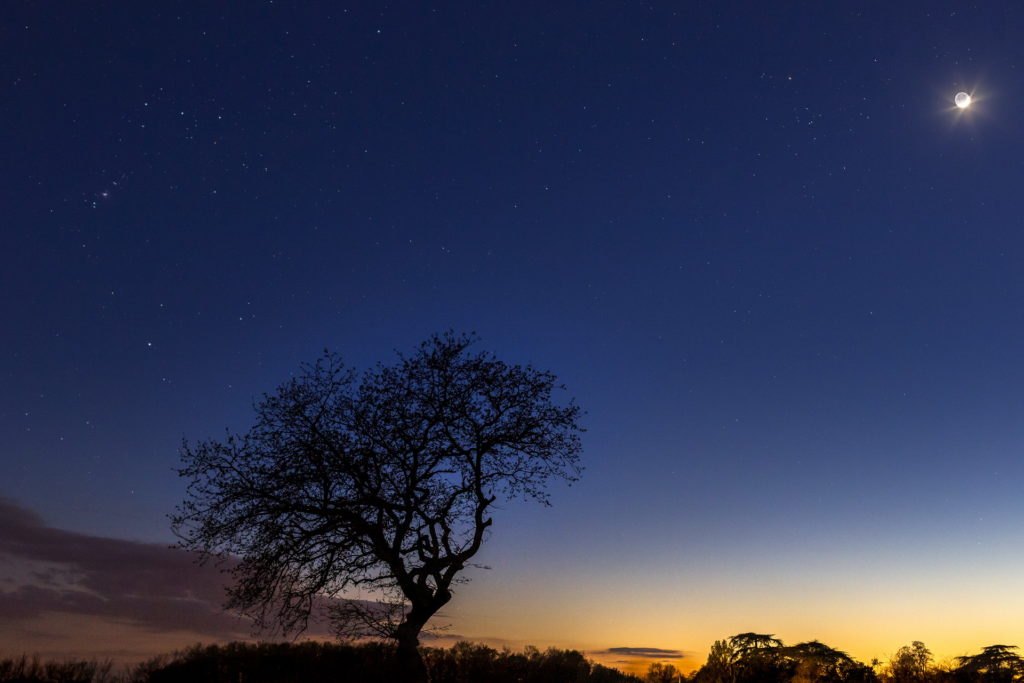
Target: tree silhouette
[
  {"x": 910, "y": 663},
  {"x": 995, "y": 663},
  {"x": 758, "y": 657},
  {"x": 754, "y": 644},
  {"x": 762, "y": 658},
  {"x": 720, "y": 666},
  {"x": 815, "y": 661},
  {"x": 659, "y": 672},
  {"x": 382, "y": 486}
]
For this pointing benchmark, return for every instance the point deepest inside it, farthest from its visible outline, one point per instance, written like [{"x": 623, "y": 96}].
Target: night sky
[{"x": 783, "y": 274}]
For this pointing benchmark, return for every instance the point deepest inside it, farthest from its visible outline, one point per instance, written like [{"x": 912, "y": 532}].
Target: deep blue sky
[{"x": 780, "y": 271}]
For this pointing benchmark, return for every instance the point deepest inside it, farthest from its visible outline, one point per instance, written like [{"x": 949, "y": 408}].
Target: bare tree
[{"x": 382, "y": 485}]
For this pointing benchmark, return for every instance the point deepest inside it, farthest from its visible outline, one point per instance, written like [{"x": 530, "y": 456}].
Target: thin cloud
[
  {"x": 150, "y": 586},
  {"x": 646, "y": 652}
]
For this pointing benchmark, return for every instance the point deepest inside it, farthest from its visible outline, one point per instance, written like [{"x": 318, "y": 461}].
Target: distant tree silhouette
[
  {"x": 474, "y": 663},
  {"x": 910, "y": 664},
  {"x": 816, "y": 662},
  {"x": 743, "y": 657},
  {"x": 994, "y": 664},
  {"x": 316, "y": 662},
  {"x": 754, "y": 644},
  {"x": 383, "y": 485},
  {"x": 758, "y": 657},
  {"x": 33, "y": 670},
  {"x": 658, "y": 672},
  {"x": 719, "y": 667},
  {"x": 763, "y": 658}
]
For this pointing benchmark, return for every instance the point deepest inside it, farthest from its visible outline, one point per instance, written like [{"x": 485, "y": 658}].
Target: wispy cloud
[
  {"x": 646, "y": 652},
  {"x": 150, "y": 586}
]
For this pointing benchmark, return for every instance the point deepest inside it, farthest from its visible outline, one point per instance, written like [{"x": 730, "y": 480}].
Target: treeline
[
  {"x": 762, "y": 658},
  {"x": 326, "y": 663},
  {"x": 743, "y": 658}
]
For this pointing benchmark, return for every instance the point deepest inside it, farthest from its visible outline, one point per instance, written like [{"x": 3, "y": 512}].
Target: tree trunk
[{"x": 411, "y": 668}]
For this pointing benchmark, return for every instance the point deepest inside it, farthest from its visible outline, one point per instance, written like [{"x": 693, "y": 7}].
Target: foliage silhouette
[
  {"x": 995, "y": 664},
  {"x": 659, "y": 672},
  {"x": 719, "y": 666},
  {"x": 815, "y": 661},
  {"x": 759, "y": 657},
  {"x": 910, "y": 664},
  {"x": 376, "y": 662},
  {"x": 25, "y": 670},
  {"x": 278, "y": 663},
  {"x": 753, "y": 657},
  {"x": 382, "y": 485}
]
